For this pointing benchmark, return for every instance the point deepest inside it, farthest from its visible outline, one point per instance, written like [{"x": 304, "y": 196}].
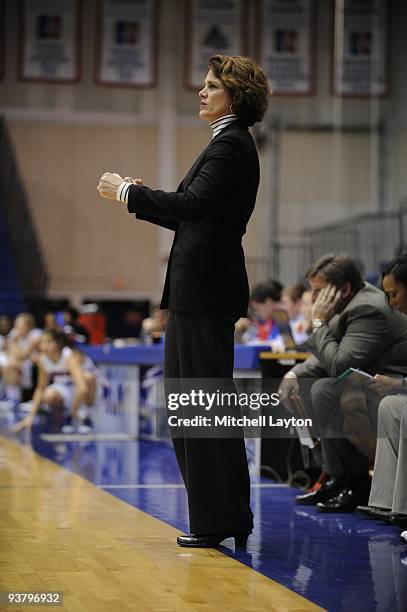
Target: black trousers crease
[{"x": 214, "y": 470}]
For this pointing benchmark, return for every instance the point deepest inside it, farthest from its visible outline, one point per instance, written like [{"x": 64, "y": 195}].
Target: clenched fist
[{"x": 110, "y": 182}]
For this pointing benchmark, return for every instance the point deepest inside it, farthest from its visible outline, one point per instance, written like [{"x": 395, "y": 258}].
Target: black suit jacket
[{"x": 209, "y": 213}]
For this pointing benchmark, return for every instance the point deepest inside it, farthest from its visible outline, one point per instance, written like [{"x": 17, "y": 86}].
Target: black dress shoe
[
  {"x": 345, "y": 501},
  {"x": 328, "y": 490},
  {"x": 212, "y": 540},
  {"x": 384, "y": 514},
  {"x": 374, "y": 512}
]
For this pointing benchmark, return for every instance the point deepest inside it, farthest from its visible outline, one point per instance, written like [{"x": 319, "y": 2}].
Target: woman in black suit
[{"x": 206, "y": 288}]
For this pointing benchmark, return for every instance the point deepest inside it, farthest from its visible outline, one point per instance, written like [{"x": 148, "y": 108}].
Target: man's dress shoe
[
  {"x": 345, "y": 501},
  {"x": 328, "y": 490},
  {"x": 385, "y": 515},
  {"x": 212, "y": 540},
  {"x": 374, "y": 512}
]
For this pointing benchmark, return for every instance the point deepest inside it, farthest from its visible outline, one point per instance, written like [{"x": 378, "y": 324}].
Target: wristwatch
[{"x": 317, "y": 323}]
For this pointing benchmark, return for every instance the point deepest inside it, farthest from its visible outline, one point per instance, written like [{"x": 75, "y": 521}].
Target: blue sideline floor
[{"x": 341, "y": 562}]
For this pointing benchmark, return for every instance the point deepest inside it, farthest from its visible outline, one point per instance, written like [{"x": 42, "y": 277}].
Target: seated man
[{"x": 353, "y": 326}]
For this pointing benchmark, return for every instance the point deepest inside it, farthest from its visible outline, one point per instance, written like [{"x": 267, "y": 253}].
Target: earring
[{"x": 231, "y": 109}]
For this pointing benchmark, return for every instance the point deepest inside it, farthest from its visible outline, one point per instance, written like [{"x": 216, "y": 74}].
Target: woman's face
[
  {"x": 396, "y": 292},
  {"x": 215, "y": 99},
  {"x": 21, "y": 326},
  {"x": 48, "y": 346}
]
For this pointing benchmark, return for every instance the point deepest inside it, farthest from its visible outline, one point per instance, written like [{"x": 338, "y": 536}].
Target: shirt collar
[{"x": 218, "y": 125}]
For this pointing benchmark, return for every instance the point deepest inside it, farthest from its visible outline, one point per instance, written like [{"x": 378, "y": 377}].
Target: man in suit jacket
[
  {"x": 353, "y": 326},
  {"x": 206, "y": 288}
]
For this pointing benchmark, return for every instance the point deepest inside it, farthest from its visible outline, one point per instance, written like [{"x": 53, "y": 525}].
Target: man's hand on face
[{"x": 326, "y": 304}]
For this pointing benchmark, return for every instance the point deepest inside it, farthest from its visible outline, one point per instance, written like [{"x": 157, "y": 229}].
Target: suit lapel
[
  {"x": 199, "y": 161},
  {"x": 193, "y": 170}
]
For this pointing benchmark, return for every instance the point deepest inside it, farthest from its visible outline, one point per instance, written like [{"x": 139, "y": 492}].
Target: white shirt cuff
[{"x": 122, "y": 193}]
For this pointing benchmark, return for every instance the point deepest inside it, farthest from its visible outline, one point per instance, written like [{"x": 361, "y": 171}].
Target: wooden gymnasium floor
[{"x": 60, "y": 532}]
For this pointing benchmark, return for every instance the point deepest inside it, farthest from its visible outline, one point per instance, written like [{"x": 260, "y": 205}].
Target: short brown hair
[
  {"x": 294, "y": 292},
  {"x": 338, "y": 270},
  {"x": 269, "y": 289},
  {"x": 246, "y": 83}
]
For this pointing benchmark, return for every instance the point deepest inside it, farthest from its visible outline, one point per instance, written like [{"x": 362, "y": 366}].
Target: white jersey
[
  {"x": 23, "y": 343},
  {"x": 60, "y": 378},
  {"x": 58, "y": 370}
]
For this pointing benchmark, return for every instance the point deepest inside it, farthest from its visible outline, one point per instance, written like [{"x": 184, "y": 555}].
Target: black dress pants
[{"x": 214, "y": 470}]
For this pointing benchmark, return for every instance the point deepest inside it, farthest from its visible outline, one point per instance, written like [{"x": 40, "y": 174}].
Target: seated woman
[
  {"x": 388, "y": 496},
  {"x": 67, "y": 379},
  {"x": 18, "y": 356}
]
